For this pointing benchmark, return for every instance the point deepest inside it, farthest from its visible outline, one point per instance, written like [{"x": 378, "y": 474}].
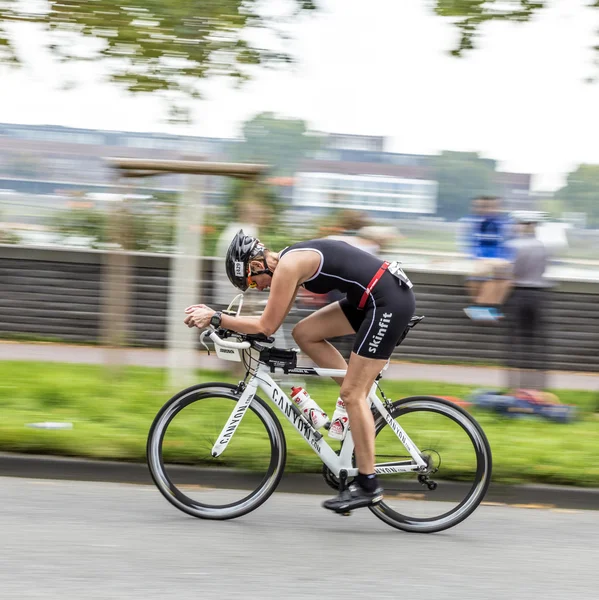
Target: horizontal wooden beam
[{"x": 146, "y": 167}]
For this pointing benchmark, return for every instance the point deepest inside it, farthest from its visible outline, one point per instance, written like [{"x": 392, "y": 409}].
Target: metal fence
[{"x": 57, "y": 295}]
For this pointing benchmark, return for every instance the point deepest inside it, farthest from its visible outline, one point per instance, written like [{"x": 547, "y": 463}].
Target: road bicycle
[{"x": 432, "y": 457}]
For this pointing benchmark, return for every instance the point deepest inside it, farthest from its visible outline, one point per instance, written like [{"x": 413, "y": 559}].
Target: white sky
[{"x": 377, "y": 67}]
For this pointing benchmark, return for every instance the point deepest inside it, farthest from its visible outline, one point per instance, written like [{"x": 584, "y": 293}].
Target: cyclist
[{"x": 378, "y": 305}]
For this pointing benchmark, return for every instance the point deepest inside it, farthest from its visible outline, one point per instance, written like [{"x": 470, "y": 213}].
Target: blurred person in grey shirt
[{"x": 525, "y": 309}]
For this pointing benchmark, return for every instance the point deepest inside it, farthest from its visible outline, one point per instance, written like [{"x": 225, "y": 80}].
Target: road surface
[{"x": 65, "y": 540}]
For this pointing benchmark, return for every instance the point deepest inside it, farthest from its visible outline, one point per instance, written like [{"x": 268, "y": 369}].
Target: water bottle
[
  {"x": 313, "y": 413},
  {"x": 340, "y": 421}
]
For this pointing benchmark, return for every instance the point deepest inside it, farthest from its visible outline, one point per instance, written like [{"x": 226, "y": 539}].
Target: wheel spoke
[
  {"x": 459, "y": 457},
  {"x": 180, "y": 454}
]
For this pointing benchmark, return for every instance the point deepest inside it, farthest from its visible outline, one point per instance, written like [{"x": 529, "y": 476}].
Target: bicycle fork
[{"x": 235, "y": 418}]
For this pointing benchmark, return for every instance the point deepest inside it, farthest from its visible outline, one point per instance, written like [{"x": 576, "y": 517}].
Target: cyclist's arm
[{"x": 285, "y": 284}]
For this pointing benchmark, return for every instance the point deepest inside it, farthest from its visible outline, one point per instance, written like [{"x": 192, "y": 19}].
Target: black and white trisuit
[{"x": 379, "y": 300}]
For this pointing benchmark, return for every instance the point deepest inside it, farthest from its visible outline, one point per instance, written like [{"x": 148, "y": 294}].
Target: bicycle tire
[
  {"x": 477, "y": 490},
  {"x": 159, "y": 471}
]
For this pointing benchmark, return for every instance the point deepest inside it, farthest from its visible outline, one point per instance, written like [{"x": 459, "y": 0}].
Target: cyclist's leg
[
  {"x": 361, "y": 374},
  {"x": 383, "y": 326},
  {"x": 365, "y": 490},
  {"x": 311, "y": 336}
]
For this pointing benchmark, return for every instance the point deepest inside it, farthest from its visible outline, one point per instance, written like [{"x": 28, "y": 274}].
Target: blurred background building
[
  {"x": 45, "y": 170},
  {"x": 44, "y": 159}
]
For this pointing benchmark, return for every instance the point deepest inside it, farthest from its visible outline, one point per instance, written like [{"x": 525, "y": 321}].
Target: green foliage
[
  {"x": 153, "y": 225},
  {"x": 150, "y": 45},
  {"x": 257, "y": 203},
  {"x": 6, "y": 235},
  {"x": 87, "y": 222},
  {"x": 276, "y": 141},
  {"x": 111, "y": 418},
  {"x": 461, "y": 177},
  {"x": 281, "y": 143},
  {"x": 9, "y": 237},
  {"x": 469, "y": 15},
  {"x": 244, "y": 195},
  {"x": 552, "y": 206},
  {"x": 581, "y": 193},
  {"x": 147, "y": 225}
]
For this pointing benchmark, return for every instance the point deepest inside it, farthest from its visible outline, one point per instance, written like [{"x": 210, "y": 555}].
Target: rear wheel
[
  {"x": 458, "y": 459},
  {"x": 179, "y": 453}
]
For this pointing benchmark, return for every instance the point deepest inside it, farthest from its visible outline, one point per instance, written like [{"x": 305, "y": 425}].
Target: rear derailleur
[{"x": 429, "y": 483}]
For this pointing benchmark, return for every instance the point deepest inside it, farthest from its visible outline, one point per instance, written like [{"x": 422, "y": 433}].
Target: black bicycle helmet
[{"x": 237, "y": 261}]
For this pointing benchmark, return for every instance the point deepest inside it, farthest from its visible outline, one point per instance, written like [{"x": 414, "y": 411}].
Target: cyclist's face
[
  {"x": 256, "y": 279},
  {"x": 259, "y": 282}
]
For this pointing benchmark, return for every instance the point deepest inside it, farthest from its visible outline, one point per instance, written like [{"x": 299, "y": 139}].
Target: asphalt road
[{"x": 83, "y": 540}]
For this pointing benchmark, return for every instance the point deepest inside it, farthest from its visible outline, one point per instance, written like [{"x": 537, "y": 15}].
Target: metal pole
[
  {"x": 116, "y": 286},
  {"x": 185, "y": 285},
  {"x": 185, "y": 273}
]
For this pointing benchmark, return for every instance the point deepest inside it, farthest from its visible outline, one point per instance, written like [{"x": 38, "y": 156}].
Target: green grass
[
  {"x": 112, "y": 412},
  {"x": 11, "y": 336}
]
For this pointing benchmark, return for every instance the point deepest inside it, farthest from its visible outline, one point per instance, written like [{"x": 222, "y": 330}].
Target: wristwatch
[{"x": 216, "y": 319}]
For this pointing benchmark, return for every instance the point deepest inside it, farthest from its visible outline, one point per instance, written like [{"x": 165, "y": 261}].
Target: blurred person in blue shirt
[{"x": 485, "y": 237}]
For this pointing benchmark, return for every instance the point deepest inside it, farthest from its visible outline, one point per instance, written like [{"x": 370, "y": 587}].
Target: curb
[{"x": 52, "y": 467}]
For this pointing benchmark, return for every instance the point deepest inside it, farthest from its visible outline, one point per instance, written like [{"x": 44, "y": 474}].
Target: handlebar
[
  {"x": 227, "y": 343},
  {"x": 248, "y": 341}
]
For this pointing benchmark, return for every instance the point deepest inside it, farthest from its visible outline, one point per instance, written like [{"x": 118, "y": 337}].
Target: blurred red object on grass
[{"x": 458, "y": 401}]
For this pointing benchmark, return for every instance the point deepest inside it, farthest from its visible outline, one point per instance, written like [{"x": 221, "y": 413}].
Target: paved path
[
  {"x": 74, "y": 540},
  {"x": 471, "y": 375}
]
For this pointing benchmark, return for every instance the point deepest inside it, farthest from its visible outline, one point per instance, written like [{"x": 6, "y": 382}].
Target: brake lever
[{"x": 202, "y": 336}]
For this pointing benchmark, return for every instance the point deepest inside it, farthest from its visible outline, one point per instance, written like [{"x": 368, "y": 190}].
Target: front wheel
[
  {"x": 458, "y": 472},
  {"x": 179, "y": 453}
]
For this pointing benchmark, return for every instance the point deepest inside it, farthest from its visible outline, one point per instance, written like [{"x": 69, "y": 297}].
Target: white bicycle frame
[{"x": 262, "y": 380}]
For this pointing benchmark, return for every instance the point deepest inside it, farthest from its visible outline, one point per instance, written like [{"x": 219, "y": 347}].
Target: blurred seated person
[
  {"x": 347, "y": 228},
  {"x": 486, "y": 235},
  {"x": 350, "y": 224},
  {"x": 353, "y": 228}
]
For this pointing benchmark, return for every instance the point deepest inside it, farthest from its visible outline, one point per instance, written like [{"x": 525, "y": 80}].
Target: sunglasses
[{"x": 252, "y": 284}]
